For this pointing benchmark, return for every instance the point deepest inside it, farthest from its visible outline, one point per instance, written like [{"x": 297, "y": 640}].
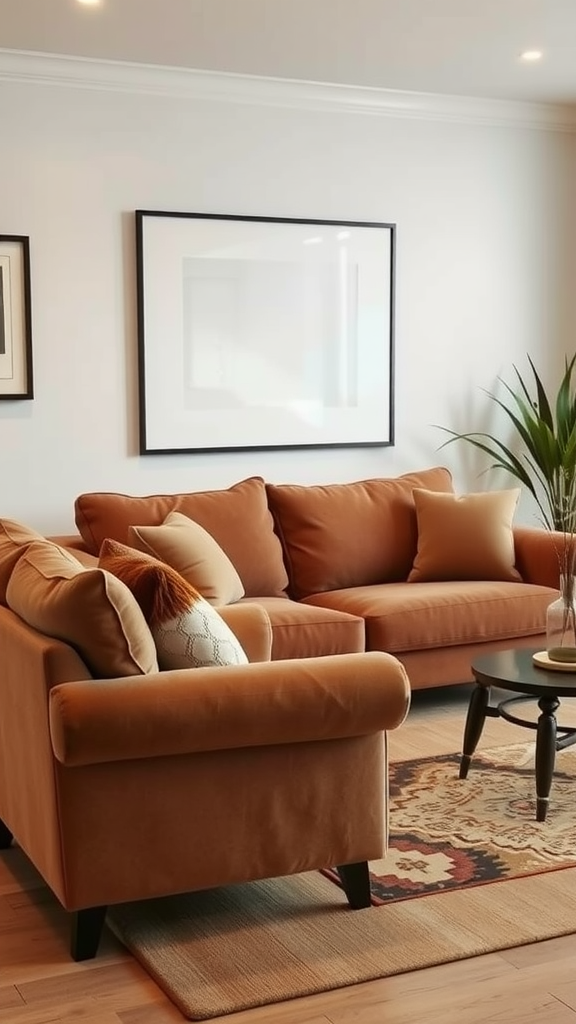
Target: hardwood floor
[{"x": 39, "y": 984}]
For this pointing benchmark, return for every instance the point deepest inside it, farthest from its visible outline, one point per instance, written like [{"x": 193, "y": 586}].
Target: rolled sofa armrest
[
  {"x": 250, "y": 622},
  {"x": 537, "y": 555},
  {"x": 203, "y": 709}
]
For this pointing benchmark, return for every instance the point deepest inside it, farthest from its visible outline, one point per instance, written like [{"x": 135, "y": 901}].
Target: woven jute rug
[{"x": 469, "y": 872}]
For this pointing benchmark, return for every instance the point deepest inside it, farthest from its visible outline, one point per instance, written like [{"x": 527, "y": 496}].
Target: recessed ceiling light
[
  {"x": 531, "y": 55},
  {"x": 90, "y": 3}
]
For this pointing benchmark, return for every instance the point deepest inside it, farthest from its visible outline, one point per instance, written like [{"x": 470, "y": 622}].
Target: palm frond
[{"x": 546, "y": 432}]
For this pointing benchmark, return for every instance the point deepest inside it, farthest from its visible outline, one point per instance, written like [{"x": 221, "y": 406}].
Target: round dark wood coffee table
[{"x": 514, "y": 670}]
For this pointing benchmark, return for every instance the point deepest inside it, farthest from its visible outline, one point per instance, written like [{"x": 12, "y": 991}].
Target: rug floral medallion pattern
[{"x": 450, "y": 833}]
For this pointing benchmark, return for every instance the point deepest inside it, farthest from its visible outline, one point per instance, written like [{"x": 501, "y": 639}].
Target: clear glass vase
[{"x": 561, "y": 623}]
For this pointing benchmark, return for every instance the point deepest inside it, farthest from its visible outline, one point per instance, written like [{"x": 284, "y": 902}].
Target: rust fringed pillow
[{"x": 187, "y": 630}]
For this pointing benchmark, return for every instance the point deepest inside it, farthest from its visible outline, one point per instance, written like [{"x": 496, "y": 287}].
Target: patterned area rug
[
  {"x": 469, "y": 872},
  {"x": 446, "y": 833}
]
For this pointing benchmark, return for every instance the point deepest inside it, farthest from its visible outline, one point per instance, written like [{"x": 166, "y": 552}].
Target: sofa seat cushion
[
  {"x": 238, "y": 519},
  {"x": 303, "y": 631},
  {"x": 420, "y": 616},
  {"x": 352, "y": 534}
]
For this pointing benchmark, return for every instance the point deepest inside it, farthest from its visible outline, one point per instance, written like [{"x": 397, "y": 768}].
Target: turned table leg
[
  {"x": 545, "y": 753},
  {"x": 474, "y": 724}
]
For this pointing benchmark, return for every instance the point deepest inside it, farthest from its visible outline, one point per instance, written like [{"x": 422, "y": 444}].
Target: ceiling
[{"x": 456, "y": 47}]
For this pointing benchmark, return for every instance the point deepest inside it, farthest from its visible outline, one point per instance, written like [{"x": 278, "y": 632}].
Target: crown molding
[{"x": 44, "y": 69}]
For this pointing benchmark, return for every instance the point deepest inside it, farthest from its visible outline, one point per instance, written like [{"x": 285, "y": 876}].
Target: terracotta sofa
[
  {"x": 144, "y": 783},
  {"x": 331, "y": 566}
]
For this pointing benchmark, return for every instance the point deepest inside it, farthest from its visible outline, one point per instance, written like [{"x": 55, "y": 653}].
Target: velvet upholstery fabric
[
  {"x": 450, "y": 666},
  {"x": 537, "y": 555},
  {"x": 465, "y": 537},
  {"x": 250, "y": 622},
  {"x": 325, "y": 626},
  {"x": 421, "y": 616},
  {"x": 238, "y": 518},
  {"x": 188, "y": 547},
  {"x": 154, "y": 826},
  {"x": 214, "y": 709},
  {"x": 125, "y": 789},
  {"x": 302, "y": 631},
  {"x": 349, "y": 535},
  {"x": 31, "y": 664},
  {"x": 14, "y": 539},
  {"x": 88, "y": 608}
]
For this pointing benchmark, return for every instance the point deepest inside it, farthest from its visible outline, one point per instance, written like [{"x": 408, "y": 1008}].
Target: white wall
[{"x": 485, "y": 269}]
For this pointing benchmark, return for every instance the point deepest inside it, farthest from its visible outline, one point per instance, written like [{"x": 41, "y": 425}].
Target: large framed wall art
[
  {"x": 15, "y": 318},
  {"x": 263, "y": 332}
]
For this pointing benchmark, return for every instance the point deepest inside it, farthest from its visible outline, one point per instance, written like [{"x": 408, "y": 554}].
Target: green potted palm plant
[{"x": 544, "y": 461}]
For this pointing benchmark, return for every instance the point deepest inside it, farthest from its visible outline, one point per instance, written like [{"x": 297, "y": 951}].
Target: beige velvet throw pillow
[
  {"x": 465, "y": 538},
  {"x": 87, "y": 608},
  {"x": 189, "y": 548}
]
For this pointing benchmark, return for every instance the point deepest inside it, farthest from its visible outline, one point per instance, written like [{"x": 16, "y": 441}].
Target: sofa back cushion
[
  {"x": 87, "y": 608},
  {"x": 14, "y": 539},
  {"x": 350, "y": 535},
  {"x": 238, "y": 518}
]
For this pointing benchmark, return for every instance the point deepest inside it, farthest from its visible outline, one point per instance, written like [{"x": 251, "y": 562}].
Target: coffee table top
[{"x": 515, "y": 670}]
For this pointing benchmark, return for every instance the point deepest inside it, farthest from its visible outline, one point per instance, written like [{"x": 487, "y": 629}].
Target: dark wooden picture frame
[
  {"x": 16, "y": 380},
  {"x": 264, "y": 332}
]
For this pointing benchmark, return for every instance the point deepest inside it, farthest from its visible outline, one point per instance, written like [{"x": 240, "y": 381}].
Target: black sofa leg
[
  {"x": 6, "y": 836},
  {"x": 355, "y": 880},
  {"x": 85, "y": 932}
]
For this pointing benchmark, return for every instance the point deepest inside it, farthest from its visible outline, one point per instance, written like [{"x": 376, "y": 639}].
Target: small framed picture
[{"x": 15, "y": 318}]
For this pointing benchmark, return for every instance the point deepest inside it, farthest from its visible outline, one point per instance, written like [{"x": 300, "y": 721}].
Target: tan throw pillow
[
  {"x": 14, "y": 539},
  {"x": 465, "y": 538},
  {"x": 87, "y": 608},
  {"x": 187, "y": 631},
  {"x": 189, "y": 548}
]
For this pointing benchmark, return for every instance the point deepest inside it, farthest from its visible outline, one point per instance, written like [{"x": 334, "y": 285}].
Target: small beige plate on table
[{"x": 542, "y": 660}]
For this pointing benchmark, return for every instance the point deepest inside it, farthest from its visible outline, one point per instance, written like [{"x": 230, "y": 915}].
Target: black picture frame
[
  {"x": 16, "y": 377},
  {"x": 262, "y": 333}
]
